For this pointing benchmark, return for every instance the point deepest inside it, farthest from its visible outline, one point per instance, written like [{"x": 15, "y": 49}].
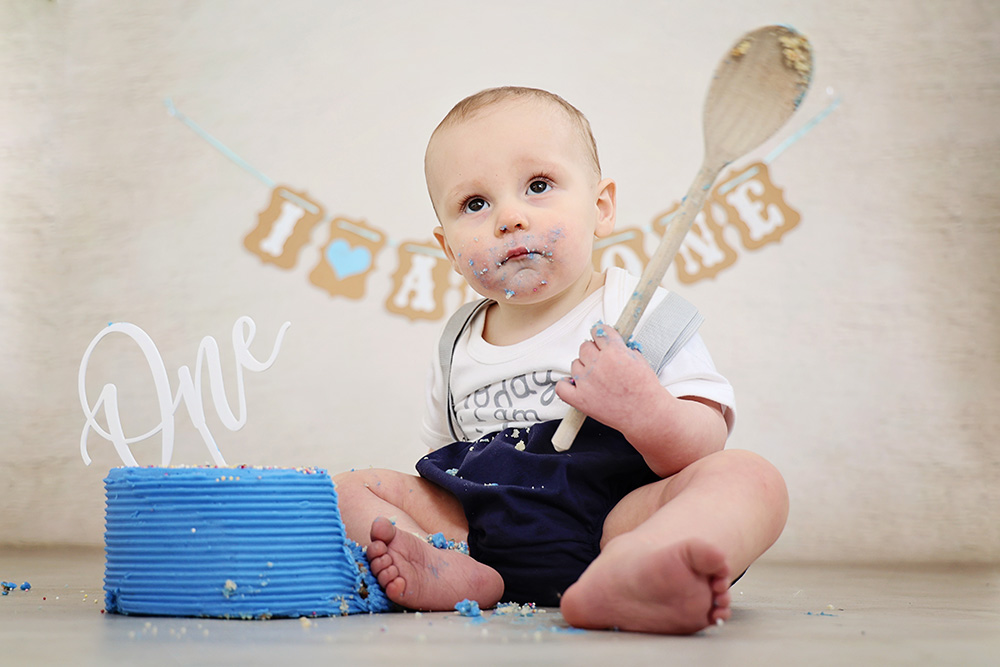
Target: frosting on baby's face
[{"x": 518, "y": 200}]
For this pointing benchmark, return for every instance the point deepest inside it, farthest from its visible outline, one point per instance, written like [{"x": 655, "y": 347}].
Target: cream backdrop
[{"x": 863, "y": 345}]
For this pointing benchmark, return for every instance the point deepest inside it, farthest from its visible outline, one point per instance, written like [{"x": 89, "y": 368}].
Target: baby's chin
[
  {"x": 524, "y": 287},
  {"x": 526, "y": 296}
]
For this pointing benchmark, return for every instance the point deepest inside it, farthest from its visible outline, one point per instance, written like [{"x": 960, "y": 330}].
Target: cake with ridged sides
[{"x": 237, "y": 543}]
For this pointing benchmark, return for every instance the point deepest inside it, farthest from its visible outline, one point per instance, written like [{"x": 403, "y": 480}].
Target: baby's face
[{"x": 518, "y": 200}]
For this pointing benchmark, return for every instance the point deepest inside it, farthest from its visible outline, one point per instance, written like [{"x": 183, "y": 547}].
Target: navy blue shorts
[{"x": 536, "y": 515}]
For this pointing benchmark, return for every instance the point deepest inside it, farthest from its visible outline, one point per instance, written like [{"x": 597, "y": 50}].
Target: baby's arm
[{"x": 616, "y": 386}]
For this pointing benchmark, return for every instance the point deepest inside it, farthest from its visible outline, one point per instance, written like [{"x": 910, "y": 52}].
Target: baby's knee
[
  {"x": 758, "y": 471},
  {"x": 389, "y": 485},
  {"x": 353, "y": 482}
]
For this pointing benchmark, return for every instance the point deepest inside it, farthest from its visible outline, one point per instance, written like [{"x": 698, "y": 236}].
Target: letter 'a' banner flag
[{"x": 420, "y": 282}]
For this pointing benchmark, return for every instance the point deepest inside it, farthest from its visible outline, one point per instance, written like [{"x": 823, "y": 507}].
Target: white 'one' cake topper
[{"x": 188, "y": 390}]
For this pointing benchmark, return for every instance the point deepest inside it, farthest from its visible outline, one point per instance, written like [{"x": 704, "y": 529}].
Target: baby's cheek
[{"x": 477, "y": 265}]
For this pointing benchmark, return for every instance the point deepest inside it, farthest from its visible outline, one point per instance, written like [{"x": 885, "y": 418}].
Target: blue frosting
[{"x": 231, "y": 543}]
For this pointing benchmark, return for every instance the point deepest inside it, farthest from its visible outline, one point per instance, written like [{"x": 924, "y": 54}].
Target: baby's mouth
[{"x": 520, "y": 253}]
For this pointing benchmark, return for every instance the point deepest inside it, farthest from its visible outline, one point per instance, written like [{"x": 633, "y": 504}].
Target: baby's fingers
[{"x": 604, "y": 335}]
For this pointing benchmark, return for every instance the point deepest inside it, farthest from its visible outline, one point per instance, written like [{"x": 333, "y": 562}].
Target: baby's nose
[{"x": 511, "y": 219}]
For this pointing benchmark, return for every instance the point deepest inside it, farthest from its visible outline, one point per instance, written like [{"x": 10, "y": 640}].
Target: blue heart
[{"x": 347, "y": 261}]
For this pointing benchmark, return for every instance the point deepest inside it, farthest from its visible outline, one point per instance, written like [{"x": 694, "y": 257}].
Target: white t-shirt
[{"x": 496, "y": 387}]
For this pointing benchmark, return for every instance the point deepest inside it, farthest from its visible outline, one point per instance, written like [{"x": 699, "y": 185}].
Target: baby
[{"x": 646, "y": 521}]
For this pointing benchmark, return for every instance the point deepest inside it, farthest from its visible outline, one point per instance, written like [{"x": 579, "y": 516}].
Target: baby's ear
[
  {"x": 443, "y": 242},
  {"x": 607, "y": 205}
]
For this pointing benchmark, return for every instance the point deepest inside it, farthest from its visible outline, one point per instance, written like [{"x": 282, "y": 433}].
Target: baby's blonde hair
[{"x": 484, "y": 98}]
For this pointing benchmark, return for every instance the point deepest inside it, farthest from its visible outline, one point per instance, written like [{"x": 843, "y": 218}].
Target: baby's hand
[{"x": 610, "y": 381}]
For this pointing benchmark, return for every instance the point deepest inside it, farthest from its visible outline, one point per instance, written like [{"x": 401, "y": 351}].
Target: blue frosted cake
[{"x": 231, "y": 543}]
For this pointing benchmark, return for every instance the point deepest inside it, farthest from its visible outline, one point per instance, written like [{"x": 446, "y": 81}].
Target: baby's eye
[
  {"x": 474, "y": 205},
  {"x": 538, "y": 187}
]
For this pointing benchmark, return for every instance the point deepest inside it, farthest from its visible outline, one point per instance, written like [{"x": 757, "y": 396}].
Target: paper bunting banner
[
  {"x": 420, "y": 282},
  {"x": 283, "y": 227},
  {"x": 745, "y": 200},
  {"x": 348, "y": 258}
]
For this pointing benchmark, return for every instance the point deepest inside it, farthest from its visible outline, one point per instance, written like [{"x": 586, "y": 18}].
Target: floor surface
[{"x": 782, "y": 615}]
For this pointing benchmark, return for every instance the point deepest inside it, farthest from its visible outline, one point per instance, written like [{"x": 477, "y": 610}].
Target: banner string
[
  {"x": 343, "y": 224},
  {"x": 219, "y": 146}
]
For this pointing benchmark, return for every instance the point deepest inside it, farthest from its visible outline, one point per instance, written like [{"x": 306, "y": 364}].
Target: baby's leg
[
  {"x": 393, "y": 513},
  {"x": 671, "y": 549}
]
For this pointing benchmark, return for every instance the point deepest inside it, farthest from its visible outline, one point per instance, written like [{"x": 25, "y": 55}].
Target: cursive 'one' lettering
[{"x": 188, "y": 390}]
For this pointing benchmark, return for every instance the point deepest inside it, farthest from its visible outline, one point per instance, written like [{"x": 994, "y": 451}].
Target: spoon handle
[{"x": 652, "y": 276}]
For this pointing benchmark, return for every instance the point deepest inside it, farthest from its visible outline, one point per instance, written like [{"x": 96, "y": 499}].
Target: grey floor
[{"x": 783, "y": 615}]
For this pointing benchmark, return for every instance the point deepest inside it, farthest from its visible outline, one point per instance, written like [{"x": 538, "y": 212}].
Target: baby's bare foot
[
  {"x": 416, "y": 575},
  {"x": 678, "y": 588}
]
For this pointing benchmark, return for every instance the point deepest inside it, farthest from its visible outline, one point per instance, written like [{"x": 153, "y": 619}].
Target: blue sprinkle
[
  {"x": 468, "y": 608},
  {"x": 26, "y": 586},
  {"x": 635, "y": 345},
  {"x": 452, "y": 471}
]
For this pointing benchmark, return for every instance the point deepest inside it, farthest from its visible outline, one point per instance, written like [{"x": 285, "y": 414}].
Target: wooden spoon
[{"x": 756, "y": 88}]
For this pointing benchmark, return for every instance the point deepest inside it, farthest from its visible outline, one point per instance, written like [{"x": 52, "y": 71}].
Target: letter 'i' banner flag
[{"x": 284, "y": 227}]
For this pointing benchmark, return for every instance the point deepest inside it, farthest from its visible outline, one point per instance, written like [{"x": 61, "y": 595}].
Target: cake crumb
[
  {"x": 797, "y": 54},
  {"x": 468, "y": 608},
  {"x": 515, "y": 609},
  {"x": 741, "y": 49}
]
